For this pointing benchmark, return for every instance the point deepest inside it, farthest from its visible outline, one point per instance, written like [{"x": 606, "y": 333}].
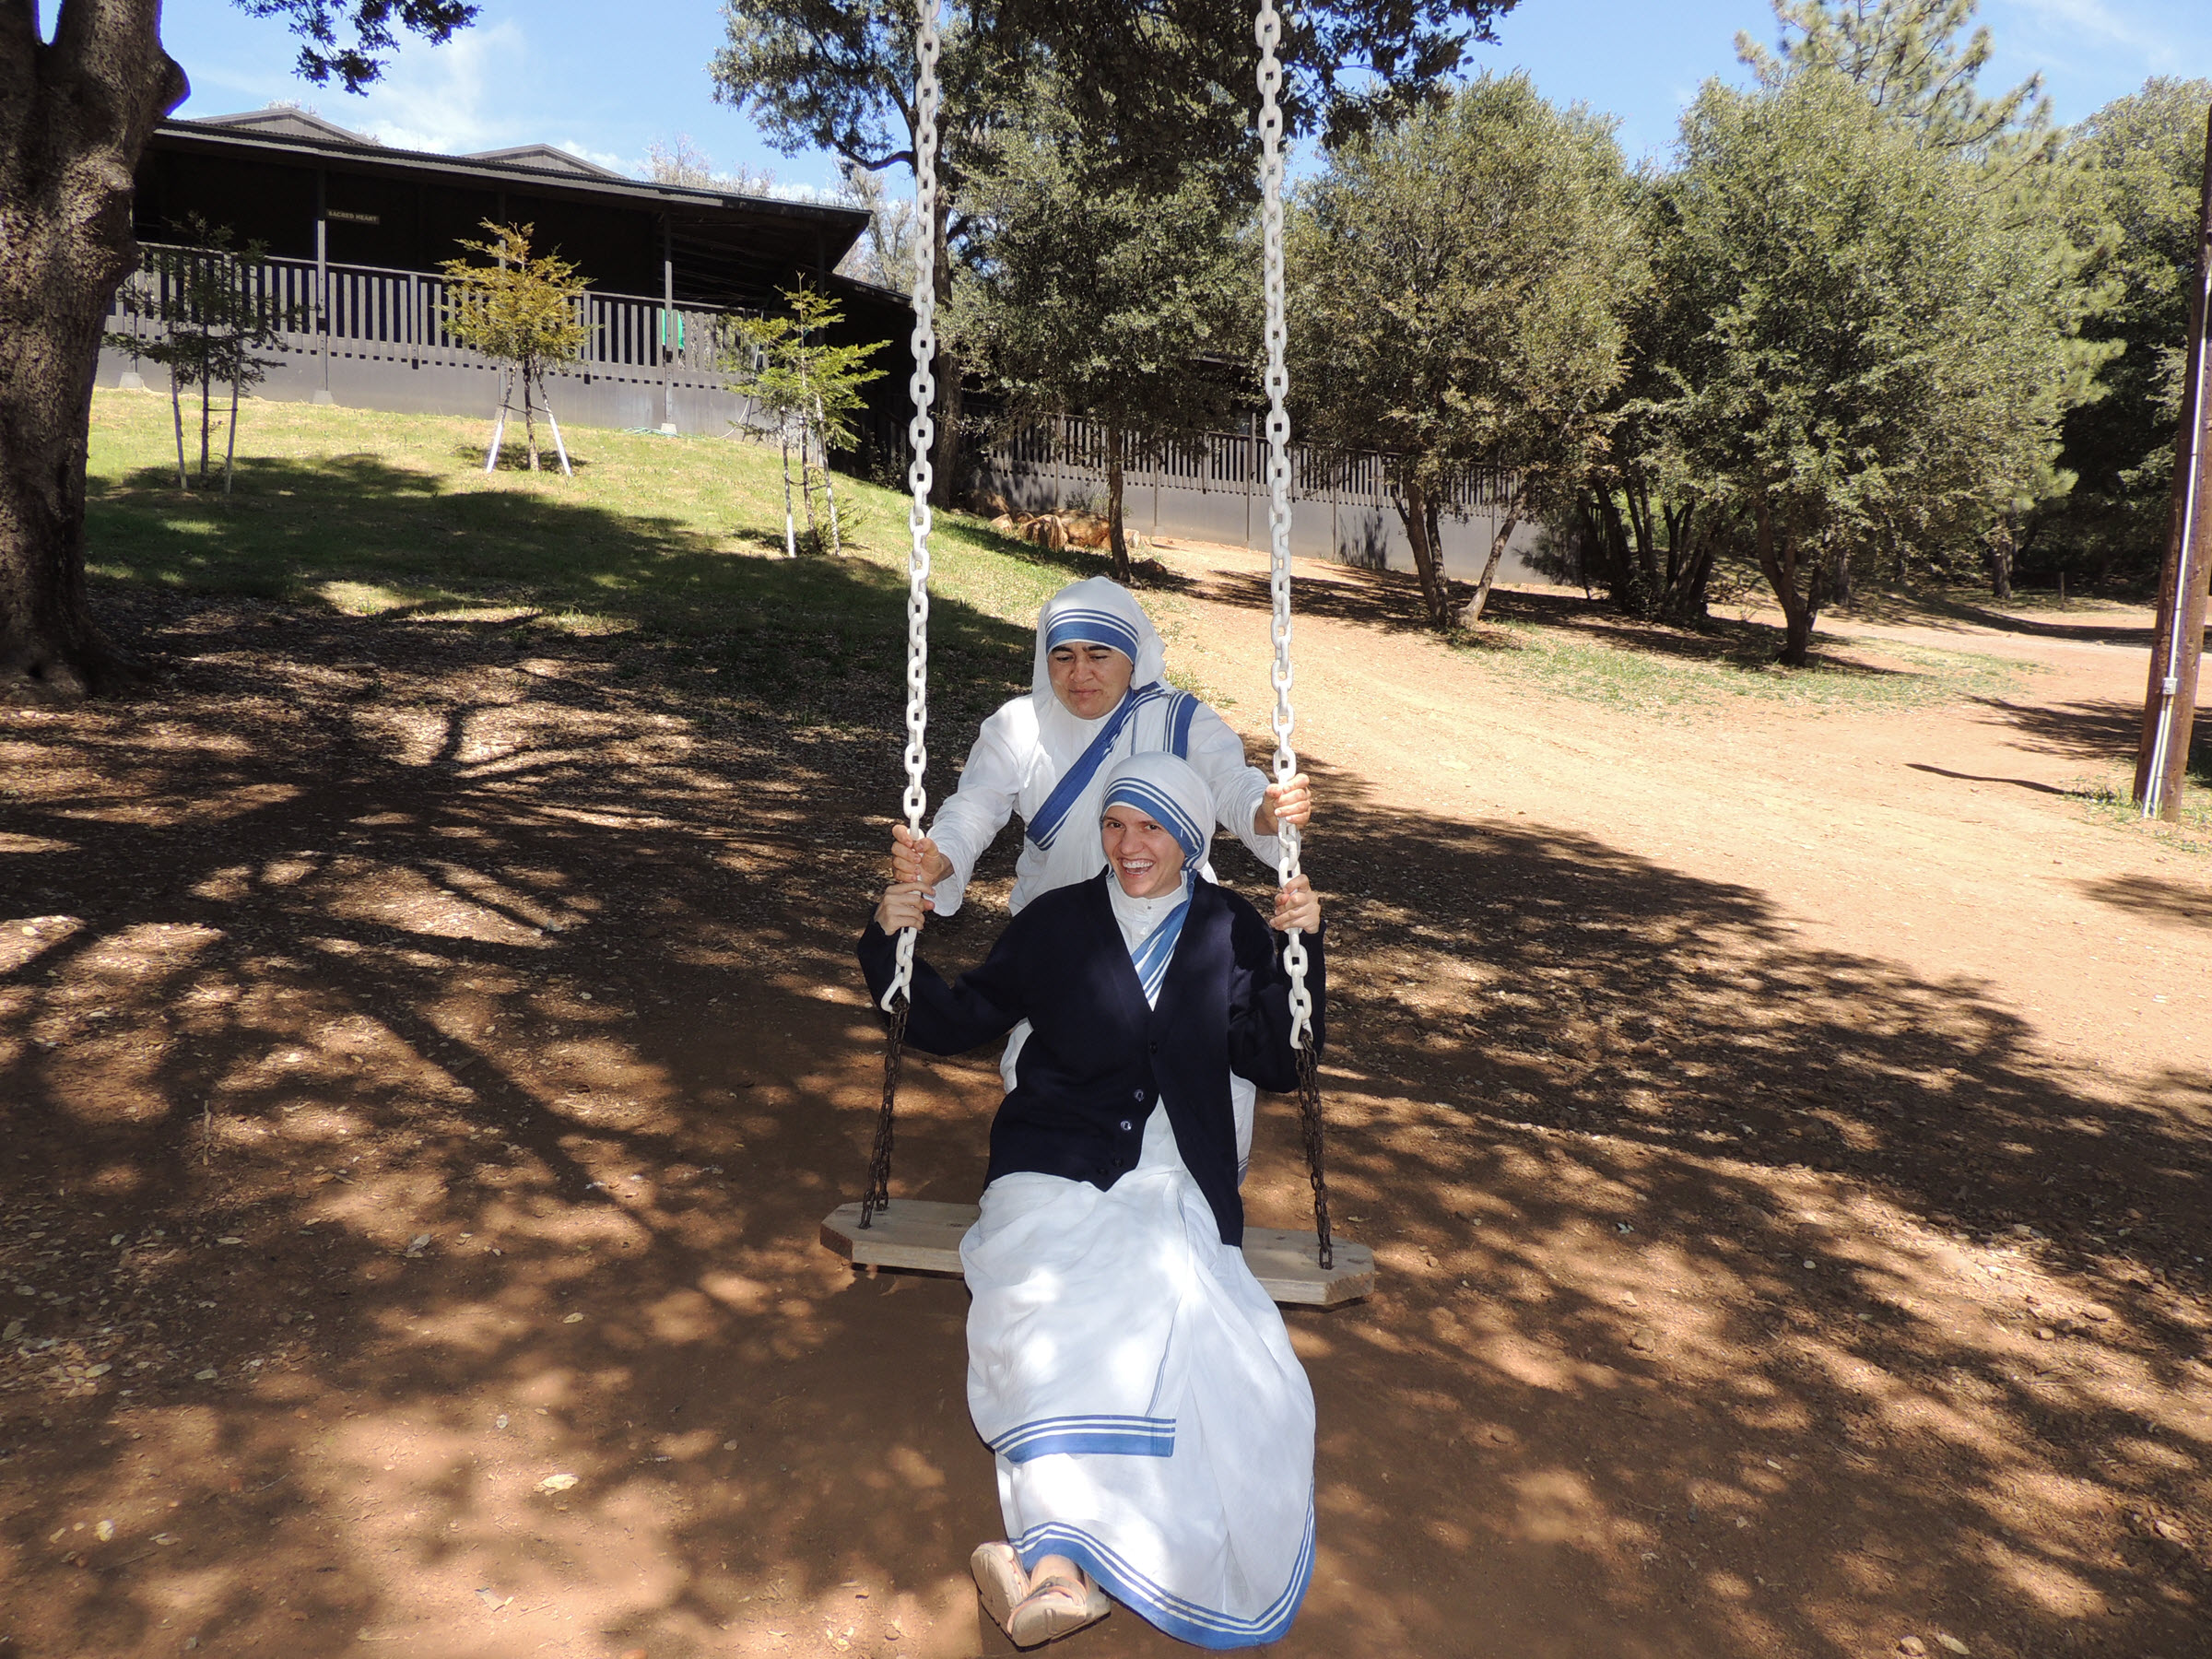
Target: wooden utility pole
[{"x": 2178, "y": 644}]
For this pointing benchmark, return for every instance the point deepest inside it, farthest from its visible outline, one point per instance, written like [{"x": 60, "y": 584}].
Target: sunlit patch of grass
[
  {"x": 1670, "y": 672},
  {"x": 2111, "y": 801}
]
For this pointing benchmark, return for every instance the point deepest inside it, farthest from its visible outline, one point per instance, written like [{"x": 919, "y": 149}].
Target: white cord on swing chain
[
  {"x": 921, "y": 434},
  {"x": 1268, "y": 32}
]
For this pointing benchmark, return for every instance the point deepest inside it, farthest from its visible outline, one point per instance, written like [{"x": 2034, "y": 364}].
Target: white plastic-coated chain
[
  {"x": 921, "y": 434},
  {"x": 1268, "y": 32}
]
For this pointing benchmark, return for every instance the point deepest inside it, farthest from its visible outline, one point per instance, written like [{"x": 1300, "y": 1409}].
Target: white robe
[
  {"x": 1029, "y": 745},
  {"x": 1137, "y": 1387}
]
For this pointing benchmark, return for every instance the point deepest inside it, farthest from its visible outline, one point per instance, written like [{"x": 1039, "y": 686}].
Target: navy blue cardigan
[{"x": 1097, "y": 1059}]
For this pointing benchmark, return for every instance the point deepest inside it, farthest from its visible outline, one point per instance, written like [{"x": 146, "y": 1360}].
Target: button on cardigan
[{"x": 1094, "y": 1046}]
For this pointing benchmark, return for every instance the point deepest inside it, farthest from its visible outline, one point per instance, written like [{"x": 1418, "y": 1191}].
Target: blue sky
[{"x": 607, "y": 80}]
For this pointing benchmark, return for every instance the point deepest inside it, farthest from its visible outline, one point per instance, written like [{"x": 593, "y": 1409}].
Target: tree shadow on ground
[
  {"x": 497, "y": 1011},
  {"x": 1392, "y": 600},
  {"x": 798, "y": 636},
  {"x": 1933, "y": 610},
  {"x": 2096, "y": 730}
]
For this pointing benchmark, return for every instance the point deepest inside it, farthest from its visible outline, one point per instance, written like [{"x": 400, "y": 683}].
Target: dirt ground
[{"x": 426, "y": 1060}]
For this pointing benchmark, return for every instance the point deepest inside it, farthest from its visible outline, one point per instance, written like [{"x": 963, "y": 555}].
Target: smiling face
[
  {"x": 1144, "y": 857},
  {"x": 1090, "y": 680}
]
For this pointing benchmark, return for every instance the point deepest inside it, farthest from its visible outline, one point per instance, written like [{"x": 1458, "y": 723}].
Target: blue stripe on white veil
[{"x": 1152, "y": 954}]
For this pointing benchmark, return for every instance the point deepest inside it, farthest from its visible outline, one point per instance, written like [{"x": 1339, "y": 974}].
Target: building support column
[
  {"x": 322, "y": 392},
  {"x": 667, "y": 323}
]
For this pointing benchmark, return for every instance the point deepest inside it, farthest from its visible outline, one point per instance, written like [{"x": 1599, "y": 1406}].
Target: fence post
[{"x": 321, "y": 393}]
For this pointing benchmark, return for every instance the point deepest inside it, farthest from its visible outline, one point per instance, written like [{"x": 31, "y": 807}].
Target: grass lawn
[{"x": 673, "y": 544}]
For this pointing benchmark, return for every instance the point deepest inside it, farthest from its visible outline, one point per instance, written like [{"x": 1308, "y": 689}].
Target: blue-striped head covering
[
  {"x": 1100, "y": 611},
  {"x": 1170, "y": 792},
  {"x": 1076, "y": 624}
]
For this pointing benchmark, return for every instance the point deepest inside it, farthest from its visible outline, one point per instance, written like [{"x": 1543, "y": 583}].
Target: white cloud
[
  {"x": 607, "y": 159},
  {"x": 442, "y": 98}
]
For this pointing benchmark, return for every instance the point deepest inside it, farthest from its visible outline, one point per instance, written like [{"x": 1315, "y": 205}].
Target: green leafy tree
[
  {"x": 201, "y": 312},
  {"x": 809, "y": 386},
  {"x": 1130, "y": 302},
  {"x": 521, "y": 311},
  {"x": 1150, "y": 83},
  {"x": 75, "y": 112},
  {"x": 1457, "y": 284},
  {"x": 1888, "y": 351},
  {"x": 1648, "y": 530},
  {"x": 2147, "y": 155}
]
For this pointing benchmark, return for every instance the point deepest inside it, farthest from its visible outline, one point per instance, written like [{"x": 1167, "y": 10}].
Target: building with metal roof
[{"x": 355, "y": 232}]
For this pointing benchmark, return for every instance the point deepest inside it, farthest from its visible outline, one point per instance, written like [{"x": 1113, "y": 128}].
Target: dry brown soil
[{"x": 426, "y": 1063}]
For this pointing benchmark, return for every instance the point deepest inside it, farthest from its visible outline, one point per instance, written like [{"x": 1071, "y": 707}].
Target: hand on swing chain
[
  {"x": 904, "y": 904},
  {"x": 916, "y": 858},
  {"x": 1291, "y": 803},
  {"x": 1295, "y": 906}
]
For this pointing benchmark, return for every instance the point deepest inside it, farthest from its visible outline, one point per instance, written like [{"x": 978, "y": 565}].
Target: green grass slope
[{"x": 675, "y": 543}]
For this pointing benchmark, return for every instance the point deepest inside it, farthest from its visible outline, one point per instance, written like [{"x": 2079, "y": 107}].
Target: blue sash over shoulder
[{"x": 1053, "y": 816}]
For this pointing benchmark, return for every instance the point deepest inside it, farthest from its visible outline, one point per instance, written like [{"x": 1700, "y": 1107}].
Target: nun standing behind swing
[
  {"x": 1152, "y": 1430},
  {"x": 1097, "y": 695}
]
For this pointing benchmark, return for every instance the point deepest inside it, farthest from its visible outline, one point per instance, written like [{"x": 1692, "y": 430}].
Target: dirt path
[{"x": 428, "y": 1062}]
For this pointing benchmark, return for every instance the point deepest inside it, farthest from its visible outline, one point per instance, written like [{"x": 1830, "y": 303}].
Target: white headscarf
[
  {"x": 1170, "y": 791},
  {"x": 1101, "y": 612}
]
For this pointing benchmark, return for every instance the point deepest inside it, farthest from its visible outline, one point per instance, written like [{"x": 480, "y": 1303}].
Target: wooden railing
[{"x": 368, "y": 313}]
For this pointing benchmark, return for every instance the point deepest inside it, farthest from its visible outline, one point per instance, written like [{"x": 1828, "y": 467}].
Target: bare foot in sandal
[{"x": 1063, "y": 1599}]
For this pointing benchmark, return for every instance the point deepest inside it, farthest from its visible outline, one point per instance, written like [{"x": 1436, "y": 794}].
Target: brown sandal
[{"x": 1056, "y": 1606}]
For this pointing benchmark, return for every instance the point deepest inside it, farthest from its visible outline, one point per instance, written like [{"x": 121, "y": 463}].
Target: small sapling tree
[
  {"x": 809, "y": 390},
  {"x": 521, "y": 312},
  {"x": 201, "y": 312}
]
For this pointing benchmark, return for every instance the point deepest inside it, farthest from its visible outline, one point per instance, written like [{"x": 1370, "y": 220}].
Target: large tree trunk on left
[{"x": 75, "y": 116}]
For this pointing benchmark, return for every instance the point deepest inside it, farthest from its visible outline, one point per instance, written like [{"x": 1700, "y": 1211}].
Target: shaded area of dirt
[{"x": 449, "y": 1041}]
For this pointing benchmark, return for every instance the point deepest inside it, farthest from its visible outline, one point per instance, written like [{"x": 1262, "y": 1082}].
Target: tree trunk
[
  {"x": 1117, "y": 536},
  {"x": 791, "y": 539},
  {"x": 946, "y": 457},
  {"x": 1631, "y": 591},
  {"x": 74, "y": 115},
  {"x": 230, "y": 442},
  {"x": 807, "y": 487},
  {"x": 1511, "y": 522},
  {"x": 2000, "y": 561},
  {"x": 837, "y": 534},
  {"x": 1780, "y": 570},
  {"x": 176, "y": 412},
  {"x": 1690, "y": 569},
  {"x": 1413, "y": 510},
  {"x": 529, "y": 420}
]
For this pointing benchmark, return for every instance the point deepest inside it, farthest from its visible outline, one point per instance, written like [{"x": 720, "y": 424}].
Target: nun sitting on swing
[
  {"x": 1097, "y": 695},
  {"x": 1152, "y": 1430}
]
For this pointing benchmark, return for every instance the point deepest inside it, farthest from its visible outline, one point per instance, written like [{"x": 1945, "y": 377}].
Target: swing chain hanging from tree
[
  {"x": 1267, "y": 33},
  {"x": 921, "y": 434}
]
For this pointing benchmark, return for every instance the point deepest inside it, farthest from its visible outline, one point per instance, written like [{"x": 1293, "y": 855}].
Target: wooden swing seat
[{"x": 920, "y": 1236}]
